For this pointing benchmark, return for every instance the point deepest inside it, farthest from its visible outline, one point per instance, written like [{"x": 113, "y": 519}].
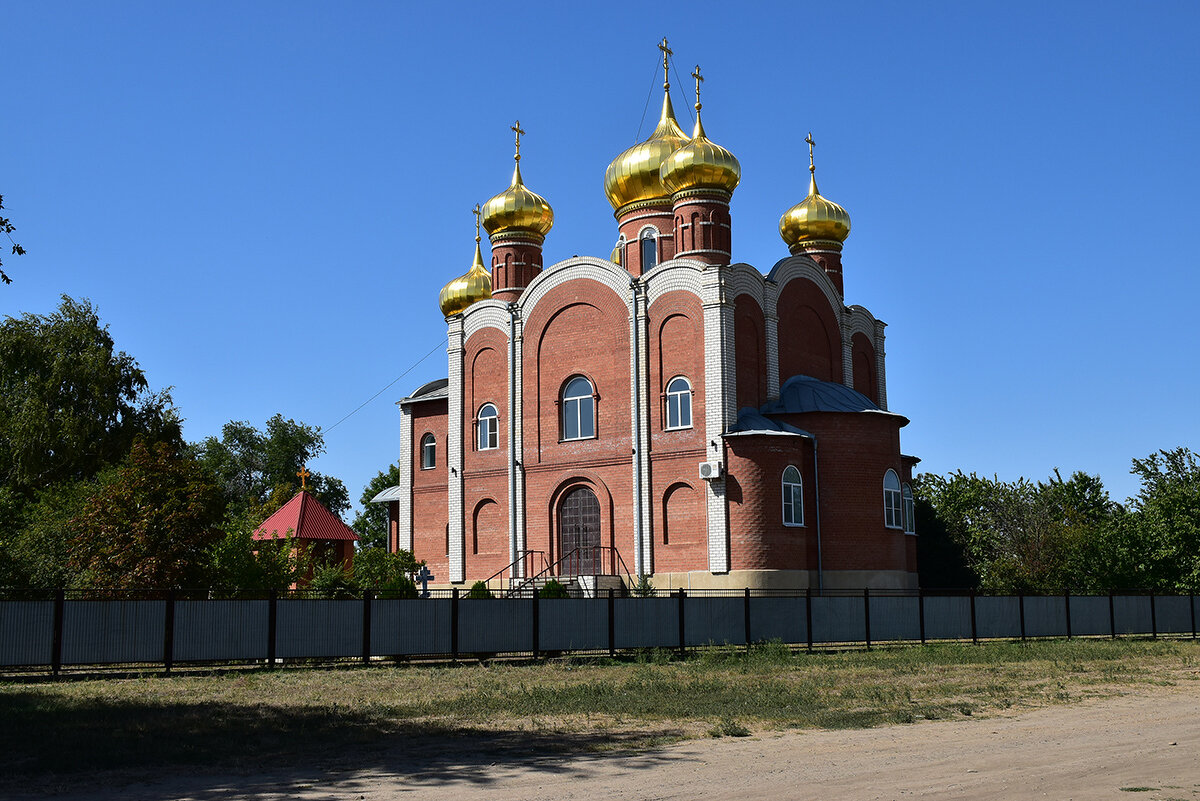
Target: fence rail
[{"x": 51, "y": 631}]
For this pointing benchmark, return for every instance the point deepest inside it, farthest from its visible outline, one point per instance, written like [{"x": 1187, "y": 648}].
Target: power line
[{"x": 385, "y": 389}]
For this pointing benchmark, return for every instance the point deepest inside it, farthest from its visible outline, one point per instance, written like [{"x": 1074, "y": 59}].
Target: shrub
[
  {"x": 480, "y": 590},
  {"x": 643, "y": 588},
  {"x": 553, "y": 589}
]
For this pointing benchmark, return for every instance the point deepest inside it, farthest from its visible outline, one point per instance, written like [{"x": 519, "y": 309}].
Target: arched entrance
[{"x": 579, "y": 533}]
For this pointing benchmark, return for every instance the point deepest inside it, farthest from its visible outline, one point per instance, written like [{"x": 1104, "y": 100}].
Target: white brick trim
[
  {"x": 787, "y": 270},
  {"x": 601, "y": 271},
  {"x": 720, "y": 382},
  {"x": 454, "y": 451},
  {"x": 485, "y": 314},
  {"x": 404, "y": 521},
  {"x": 672, "y": 276}
]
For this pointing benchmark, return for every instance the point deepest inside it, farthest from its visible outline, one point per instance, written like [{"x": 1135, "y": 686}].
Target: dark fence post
[
  {"x": 682, "y": 646},
  {"x": 746, "y": 617},
  {"x": 536, "y": 626},
  {"x": 612, "y": 624},
  {"x": 867, "y": 616},
  {"x": 1192, "y": 605},
  {"x": 1112, "y": 615},
  {"x": 808, "y": 617},
  {"x": 272, "y": 623},
  {"x": 454, "y": 624},
  {"x": 1067, "y": 603},
  {"x": 169, "y": 632},
  {"x": 1153, "y": 618},
  {"x": 56, "y": 641},
  {"x": 921, "y": 612},
  {"x": 366, "y": 637},
  {"x": 974, "y": 622},
  {"x": 1021, "y": 606}
]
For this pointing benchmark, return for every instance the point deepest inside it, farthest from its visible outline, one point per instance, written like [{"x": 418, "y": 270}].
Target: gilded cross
[
  {"x": 666, "y": 51},
  {"x": 812, "y": 167},
  {"x": 699, "y": 80},
  {"x": 516, "y": 128},
  {"x": 303, "y": 475},
  {"x": 478, "y": 212}
]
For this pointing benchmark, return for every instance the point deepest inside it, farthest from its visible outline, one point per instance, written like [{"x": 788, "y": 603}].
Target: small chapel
[{"x": 664, "y": 414}]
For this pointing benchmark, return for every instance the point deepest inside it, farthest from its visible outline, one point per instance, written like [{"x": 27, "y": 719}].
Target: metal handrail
[
  {"x": 575, "y": 558},
  {"x": 526, "y": 556}
]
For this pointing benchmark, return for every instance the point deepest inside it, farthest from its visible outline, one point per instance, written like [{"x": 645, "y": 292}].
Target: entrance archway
[{"x": 579, "y": 533}]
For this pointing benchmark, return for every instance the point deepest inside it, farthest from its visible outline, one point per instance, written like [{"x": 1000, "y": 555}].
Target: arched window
[
  {"x": 793, "y": 497},
  {"x": 910, "y": 517},
  {"x": 578, "y": 409},
  {"x": 488, "y": 424},
  {"x": 892, "y": 509},
  {"x": 679, "y": 403},
  {"x": 428, "y": 452},
  {"x": 649, "y": 250}
]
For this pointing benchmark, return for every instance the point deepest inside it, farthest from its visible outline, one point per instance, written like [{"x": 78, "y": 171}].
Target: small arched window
[
  {"x": 892, "y": 509},
  {"x": 679, "y": 403},
  {"x": 428, "y": 452},
  {"x": 488, "y": 424},
  {"x": 910, "y": 517},
  {"x": 649, "y": 250},
  {"x": 793, "y": 497},
  {"x": 578, "y": 409}
]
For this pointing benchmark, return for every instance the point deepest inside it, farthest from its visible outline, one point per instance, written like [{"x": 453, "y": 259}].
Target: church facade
[{"x": 663, "y": 412}]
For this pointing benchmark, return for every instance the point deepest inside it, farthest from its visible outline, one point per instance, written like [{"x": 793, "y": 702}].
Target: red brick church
[{"x": 664, "y": 412}]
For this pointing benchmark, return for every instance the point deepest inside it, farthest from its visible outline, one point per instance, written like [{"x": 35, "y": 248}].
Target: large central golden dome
[
  {"x": 634, "y": 175},
  {"x": 701, "y": 163}
]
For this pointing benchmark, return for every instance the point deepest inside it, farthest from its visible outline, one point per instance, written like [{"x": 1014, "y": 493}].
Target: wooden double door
[{"x": 579, "y": 533}]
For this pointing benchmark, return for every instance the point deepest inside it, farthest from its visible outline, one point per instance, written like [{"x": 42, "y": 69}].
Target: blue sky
[{"x": 263, "y": 199}]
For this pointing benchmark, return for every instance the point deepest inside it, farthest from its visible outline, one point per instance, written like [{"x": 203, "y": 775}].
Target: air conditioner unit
[{"x": 710, "y": 470}]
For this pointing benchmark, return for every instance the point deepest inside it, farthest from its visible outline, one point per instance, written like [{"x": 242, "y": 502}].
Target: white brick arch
[
  {"x": 485, "y": 314},
  {"x": 742, "y": 279},
  {"x": 673, "y": 276},
  {"x": 787, "y": 270},
  {"x": 857, "y": 320},
  {"x": 580, "y": 268}
]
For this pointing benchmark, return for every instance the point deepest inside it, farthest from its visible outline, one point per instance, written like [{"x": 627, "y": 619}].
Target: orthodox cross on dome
[
  {"x": 516, "y": 128},
  {"x": 478, "y": 212},
  {"x": 666, "y": 51},
  {"x": 812, "y": 167},
  {"x": 303, "y": 476},
  {"x": 699, "y": 80}
]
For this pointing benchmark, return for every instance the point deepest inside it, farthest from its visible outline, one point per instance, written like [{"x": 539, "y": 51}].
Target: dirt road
[{"x": 1142, "y": 745}]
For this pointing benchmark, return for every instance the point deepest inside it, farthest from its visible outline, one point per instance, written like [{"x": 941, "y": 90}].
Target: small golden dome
[
  {"x": 701, "y": 163},
  {"x": 635, "y": 174},
  {"x": 475, "y": 286},
  {"x": 814, "y": 218},
  {"x": 517, "y": 208}
]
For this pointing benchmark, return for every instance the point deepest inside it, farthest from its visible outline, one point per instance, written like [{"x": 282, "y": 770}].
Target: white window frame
[
  {"x": 487, "y": 425},
  {"x": 793, "y": 492},
  {"x": 679, "y": 400},
  {"x": 910, "y": 510},
  {"x": 428, "y": 451},
  {"x": 574, "y": 408},
  {"x": 893, "y": 507},
  {"x": 648, "y": 235}
]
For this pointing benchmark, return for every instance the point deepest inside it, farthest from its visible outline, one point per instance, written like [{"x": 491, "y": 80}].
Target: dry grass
[{"x": 235, "y": 719}]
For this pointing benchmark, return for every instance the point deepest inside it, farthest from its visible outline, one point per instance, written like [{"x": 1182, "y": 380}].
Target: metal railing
[{"x": 530, "y": 561}]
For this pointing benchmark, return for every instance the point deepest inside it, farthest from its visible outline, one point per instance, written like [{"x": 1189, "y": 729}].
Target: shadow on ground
[{"x": 223, "y": 750}]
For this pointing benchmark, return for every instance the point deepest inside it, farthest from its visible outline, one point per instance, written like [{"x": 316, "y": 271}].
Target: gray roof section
[
  {"x": 751, "y": 421},
  {"x": 802, "y": 393},
  {"x": 438, "y": 388},
  {"x": 389, "y": 494}
]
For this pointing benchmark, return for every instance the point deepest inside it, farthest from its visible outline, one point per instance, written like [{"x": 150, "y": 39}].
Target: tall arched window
[
  {"x": 892, "y": 509},
  {"x": 428, "y": 452},
  {"x": 793, "y": 497},
  {"x": 649, "y": 250},
  {"x": 910, "y": 517},
  {"x": 489, "y": 427},
  {"x": 679, "y": 403},
  {"x": 578, "y": 409}
]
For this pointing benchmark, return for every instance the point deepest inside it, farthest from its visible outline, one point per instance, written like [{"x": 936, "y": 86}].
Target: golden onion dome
[
  {"x": 474, "y": 286},
  {"x": 814, "y": 218},
  {"x": 517, "y": 208},
  {"x": 635, "y": 174},
  {"x": 701, "y": 163}
]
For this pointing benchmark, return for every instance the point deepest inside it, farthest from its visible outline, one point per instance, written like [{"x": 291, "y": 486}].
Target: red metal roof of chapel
[{"x": 307, "y": 518}]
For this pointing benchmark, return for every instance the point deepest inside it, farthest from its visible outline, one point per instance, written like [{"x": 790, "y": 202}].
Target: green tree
[
  {"x": 257, "y": 469},
  {"x": 371, "y": 521},
  {"x": 70, "y": 403},
  {"x": 1164, "y": 520},
  {"x": 7, "y": 227},
  {"x": 239, "y": 565}
]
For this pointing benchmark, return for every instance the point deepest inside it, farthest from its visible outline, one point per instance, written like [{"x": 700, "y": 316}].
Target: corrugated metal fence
[{"x": 61, "y": 630}]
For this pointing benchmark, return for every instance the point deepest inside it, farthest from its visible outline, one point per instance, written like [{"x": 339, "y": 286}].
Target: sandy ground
[{"x": 1143, "y": 745}]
